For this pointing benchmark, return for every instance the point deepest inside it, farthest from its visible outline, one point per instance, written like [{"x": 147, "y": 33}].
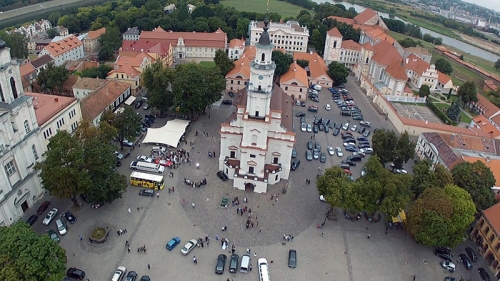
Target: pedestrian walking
[
  {"x": 158, "y": 195},
  {"x": 195, "y": 260},
  {"x": 260, "y": 229},
  {"x": 217, "y": 237},
  {"x": 192, "y": 204},
  {"x": 173, "y": 189},
  {"x": 80, "y": 237},
  {"x": 128, "y": 249},
  {"x": 369, "y": 236},
  {"x": 149, "y": 266},
  {"x": 129, "y": 211},
  {"x": 126, "y": 242},
  {"x": 138, "y": 208}
]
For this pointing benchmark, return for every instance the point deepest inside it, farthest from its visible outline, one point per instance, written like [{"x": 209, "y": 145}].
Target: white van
[
  {"x": 263, "y": 270},
  {"x": 119, "y": 273},
  {"x": 159, "y": 148},
  {"x": 245, "y": 263},
  {"x": 147, "y": 167}
]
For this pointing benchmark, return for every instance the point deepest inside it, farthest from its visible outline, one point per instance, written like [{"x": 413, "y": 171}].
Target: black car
[
  {"x": 310, "y": 145},
  {"x": 150, "y": 117},
  {"x": 345, "y": 166},
  {"x": 292, "y": 258},
  {"x": 444, "y": 255},
  {"x": 131, "y": 276},
  {"x": 43, "y": 207},
  {"x": 295, "y": 164},
  {"x": 336, "y": 132},
  {"x": 357, "y": 117},
  {"x": 221, "y": 263},
  {"x": 317, "y": 120},
  {"x": 233, "y": 263},
  {"x": 76, "y": 273},
  {"x": 300, "y": 114},
  {"x": 349, "y": 162},
  {"x": 32, "y": 219},
  {"x": 228, "y": 102},
  {"x": 321, "y": 127},
  {"x": 294, "y": 152},
  {"x": 471, "y": 253},
  {"x": 317, "y": 146},
  {"x": 145, "y": 278},
  {"x": 363, "y": 145},
  {"x": 147, "y": 192},
  {"x": 354, "y": 158},
  {"x": 309, "y": 155},
  {"x": 366, "y": 133},
  {"x": 315, "y": 129},
  {"x": 139, "y": 103},
  {"x": 361, "y": 130},
  {"x": 338, "y": 125},
  {"x": 303, "y": 103},
  {"x": 69, "y": 217},
  {"x": 465, "y": 261},
  {"x": 222, "y": 176},
  {"x": 146, "y": 124},
  {"x": 322, "y": 157},
  {"x": 484, "y": 275},
  {"x": 231, "y": 94},
  {"x": 362, "y": 139}
]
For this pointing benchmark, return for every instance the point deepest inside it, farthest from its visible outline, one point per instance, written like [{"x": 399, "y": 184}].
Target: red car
[{"x": 45, "y": 205}]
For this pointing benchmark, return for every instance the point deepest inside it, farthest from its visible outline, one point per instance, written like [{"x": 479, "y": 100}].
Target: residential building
[
  {"x": 85, "y": 86},
  {"x": 484, "y": 107},
  {"x": 366, "y": 18},
  {"x": 189, "y": 44},
  {"x": 486, "y": 235},
  {"x": 132, "y": 33},
  {"x": 41, "y": 63},
  {"x": 346, "y": 52},
  {"x": 80, "y": 65},
  {"x": 237, "y": 78},
  {"x": 420, "y": 72},
  {"x": 162, "y": 52},
  {"x": 488, "y": 126},
  {"x": 55, "y": 113},
  {"x": 236, "y": 48},
  {"x": 33, "y": 41},
  {"x": 289, "y": 36},
  {"x": 91, "y": 42},
  {"x": 316, "y": 70},
  {"x": 70, "y": 48},
  {"x": 418, "y": 51},
  {"x": 108, "y": 97},
  {"x": 129, "y": 69},
  {"x": 489, "y": 85},
  {"x": 28, "y": 76},
  {"x": 294, "y": 82},
  {"x": 444, "y": 84},
  {"x": 20, "y": 144},
  {"x": 33, "y": 28},
  {"x": 432, "y": 147},
  {"x": 257, "y": 139}
]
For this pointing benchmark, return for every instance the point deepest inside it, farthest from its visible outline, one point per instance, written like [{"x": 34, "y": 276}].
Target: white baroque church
[
  {"x": 257, "y": 138},
  {"x": 20, "y": 144}
]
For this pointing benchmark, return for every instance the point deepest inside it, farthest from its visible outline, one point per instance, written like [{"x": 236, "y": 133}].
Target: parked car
[
  {"x": 339, "y": 151},
  {"x": 303, "y": 127},
  {"x": 128, "y": 143},
  {"x": 315, "y": 129},
  {"x": 317, "y": 146},
  {"x": 484, "y": 275},
  {"x": 43, "y": 207},
  {"x": 32, "y": 219},
  {"x": 353, "y": 128},
  {"x": 61, "y": 227},
  {"x": 309, "y": 156},
  {"x": 448, "y": 278},
  {"x": 53, "y": 235},
  {"x": 322, "y": 157},
  {"x": 309, "y": 128},
  {"x": 233, "y": 263},
  {"x": 119, "y": 273},
  {"x": 345, "y": 127},
  {"x": 145, "y": 278},
  {"x": 444, "y": 255},
  {"x": 348, "y": 162},
  {"x": 118, "y": 155},
  {"x": 328, "y": 107},
  {"x": 471, "y": 253},
  {"x": 362, "y": 139},
  {"x": 76, "y": 273},
  {"x": 189, "y": 247},
  {"x": 172, "y": 243},
  {"x": 365, "y": 124},
  {"x": 138, "y": 104},
  {"x": 131, "y": 276},
  {"x": 146, "y": 106},
  {"x": 310, "y": 145},
  {"x": 351, "y": 149},
  {"x": 144, "y": 158},
  {"x": 228, "y": 102},
  {"x": 221, "y": 263},
  {"x": 303, "y": 103},
  {"x": 366, "y": 133},
  {"x": 69, "y": 217},
  {"x": 465, "y": 261},
  {"x": 222, "y": 176},
  {"x": 315, "y": 154},
  {"x": 50, "y": 216},
  {"x": 147, "y": 192},
  {"x": 300, "y": 114},
  {"x": 336, "y": 132},
  {"x": 292, "y": 258},
  {"x": 448, "y": 266},
  {"x": 312, "y": 108},
  {"x": 331, "y": 150},
  {"x": 295, "y": 164},
  {"x": 231, "y": 94},
  {"x": 357, "y": 117},
  {"x": 354, "y": 158}
]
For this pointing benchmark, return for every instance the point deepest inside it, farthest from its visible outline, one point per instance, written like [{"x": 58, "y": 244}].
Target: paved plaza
[
  {"x": 339, "y": 251},
  {"x": 416, "y": 112}
]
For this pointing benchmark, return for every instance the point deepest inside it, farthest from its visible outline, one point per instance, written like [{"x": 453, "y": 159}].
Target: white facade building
[
  {"x": 20, "y": 145},
  {"x": 257, "y": 139},
  {"x": 132, "y": 33},
  {"x": 70, "y": 48},
  {"x": 289, "y": 36}
]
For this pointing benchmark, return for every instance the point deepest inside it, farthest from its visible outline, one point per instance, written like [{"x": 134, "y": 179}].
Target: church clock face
[{"x": 261, "y": 77}]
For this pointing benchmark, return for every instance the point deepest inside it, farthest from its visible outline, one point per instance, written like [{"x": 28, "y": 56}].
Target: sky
[{"x": 490, "y": 4}]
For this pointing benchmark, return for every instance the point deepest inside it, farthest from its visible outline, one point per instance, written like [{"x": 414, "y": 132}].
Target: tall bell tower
[
  {"x": 260, "y": 86},
  {"x": 10, "y": 77}
]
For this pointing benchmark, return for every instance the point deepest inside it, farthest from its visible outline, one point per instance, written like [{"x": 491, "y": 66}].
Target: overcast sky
[{"x": 490, "y": 4}]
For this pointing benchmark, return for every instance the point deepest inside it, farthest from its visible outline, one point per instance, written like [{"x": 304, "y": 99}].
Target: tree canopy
[
  {"x": 25, "y": 255},
  {"x": 477, "y": 179},
  {"x": 424, "y": 91},
  {"x": 424, "y": 177},
  {"x": 444, "y": 66},
  {"x": 467, "y": 92},
  {"x": 282, "y": 61},
  {"x": 338, "y": 72},
  {"x": 388, "y": 147},
  {"x": 441, "y": 216},
  {"x": 157, "y": 79},
  {"x": 223, "y": 62},
  {"x": 52, "y": 78},
  {"x": 338, "y": 190},
  {"x": 110, "y": 41},
  {"x": 100, "y": 72},
  {"x": 127, "y": 123},
  {"x": 17, "y": 43}
]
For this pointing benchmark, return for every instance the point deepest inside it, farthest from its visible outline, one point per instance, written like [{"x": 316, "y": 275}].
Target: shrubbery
[{"x": 440, "y": 114}]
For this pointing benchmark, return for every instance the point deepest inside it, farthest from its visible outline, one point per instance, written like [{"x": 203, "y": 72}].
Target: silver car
[
  {"x": 339, "y": 151},
  {"x": 189, "y": 247},
  {"x": 50, "y": 216},
  {"x": 309, "y": 128},
  {"x": 331, "y": 151}
]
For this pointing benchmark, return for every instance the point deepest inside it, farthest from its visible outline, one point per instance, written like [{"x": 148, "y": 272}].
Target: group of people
[
  {"x": 195, "y": 184},
  {"x": 287, "y": 237}
]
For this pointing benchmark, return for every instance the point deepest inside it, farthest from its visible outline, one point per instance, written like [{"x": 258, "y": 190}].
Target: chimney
[{"x": 56, "y": 99}]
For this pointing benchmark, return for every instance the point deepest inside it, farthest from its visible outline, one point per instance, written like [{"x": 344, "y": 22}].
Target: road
[{"x": 339, "y": 251}]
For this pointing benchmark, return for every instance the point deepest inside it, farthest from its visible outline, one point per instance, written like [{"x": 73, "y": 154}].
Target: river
[{"x": 462, "y": 46}]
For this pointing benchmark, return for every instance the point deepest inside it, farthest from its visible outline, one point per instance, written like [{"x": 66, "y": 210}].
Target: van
[
  {"x": 245, "y": 264},
  {"x": 263, "y": 270},
  {"x": 147, "y": 167},
  {"x": 61, "y": 227},
  {"x": 159, "y": 148},
  {"x": 119, "y": 273}
]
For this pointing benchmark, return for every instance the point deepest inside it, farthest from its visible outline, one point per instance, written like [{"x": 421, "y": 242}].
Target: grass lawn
[
  {"x": 459, "y": 71},
  {"x": 436, "y": 27},
  {"x": 207, "y": 63},
  {"x": 285, "y": 9},
  {"x": 444, "y": 106}
]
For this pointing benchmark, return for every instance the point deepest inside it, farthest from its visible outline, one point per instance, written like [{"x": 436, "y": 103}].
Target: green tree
[
  {"x": 384, "y": 145},
  {"x": 52, "y": 78},
  {"x": 318, "y": 40},
  {"x": 338, "y": 72},
  {"x": 127, "y": 123},
  {"x": 443, "y": 177},
  {"x": 497, "y": 64},
  {"x": 196, "y": 86},
  {"x": 110, "y": 41},
  {"x": 282, "y": 61},
  {"x": 438, "y": 41},
  {"x": 441, "y": 216},
  {"x": 203, "y": 11},
  {"x": 26, "y": 255},
  {"x": 423, "y": 177},
  {"x": 52, "y": 32},
  {"x": 424, "y": 91},
  {"x": 444, "y": 66},
  {"x": 467, "y": 93},
  {"x": 338, "y": 190},
  {"x": 303, "y": 63},
  {"x": 105, "y": 53},
  {"x": 54, "y": 18},
  {"x": 477, "y": 179},
  {"x": 242, "y": 28},
  {"x": 223, "y": 62},
  {"x": 17, "y": 44},
  {"x": 96, "y": 72},
  {"x": 405, "y": 149},
  {"x": 157, "y": 79}
]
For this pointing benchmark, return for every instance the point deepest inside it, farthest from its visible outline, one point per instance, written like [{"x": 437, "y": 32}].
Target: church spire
[{"x": 264, "y": 37}]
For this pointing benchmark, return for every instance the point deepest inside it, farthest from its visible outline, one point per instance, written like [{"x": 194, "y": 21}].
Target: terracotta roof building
[
  {"x": 433, "y": 147},
  {"x": 487, "y": 126},
  {"x": 129, "y": 69},
  {"x": 346, "y": 52},
  {"x": 80, "y": 65},
  {"x": 418, "y": 51},
  {"x": 91, "y": 42},
  {"x": 85, "y": 86},
  {"x": 290, "y": 36},
  {"x": 366, "y": 18},
  {"x": 420, "y": 72},
  {"x": 484, "y": 107},
  {"x": 294, "y": 82},
  {"x": 70, "y": 48},
  {"x": 28, "y": 76},
  {"x": 162, "y": 51},
  {"x": 444, "y": 83},
  {"x": 189, "y": 44},
  {"x": 236, "y": 48},
  {"x": 41, "y": 63},
  {"x": 489, "y": 85},
  {"x": 486, "y": 234},
  {"x": 316, "y": 70},
  {"x": 108, "y": 97},
  {"x": 237, "y": 78}
]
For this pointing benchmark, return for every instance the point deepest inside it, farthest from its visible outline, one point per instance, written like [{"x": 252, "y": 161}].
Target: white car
[
  {"x": 339, "y": 151},
  {"x": 309, "y": 128},
  {"x": 365, "y": 123},
  {"x": 327, "y": 106},
  {"x": 144, "y": 158},
  {"x": 353, "y": 128},
  {"x": 50, "y": 216},
  {"x": 128, "y": 143},
  {"x": 448, "y": 266},
  {"x": 401, "y": 171},
  {"x": 189, "y": 246},
  {"x": 303, "y": 127},
  {"x": 345, "y": 127},
  {"x": 331, "y": 151},
  {"x": 118, "y": 155},
  {"x": 367, "y": 150},
  {"x": 346, "y": 144}
]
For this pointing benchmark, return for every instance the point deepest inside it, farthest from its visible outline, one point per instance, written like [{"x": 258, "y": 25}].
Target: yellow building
[
  {"x": 294, "y": 82},
  {"x": 129, "y": 69},
  {"x": 486, "y": 235},
  {"x": 91, "y": 42}
]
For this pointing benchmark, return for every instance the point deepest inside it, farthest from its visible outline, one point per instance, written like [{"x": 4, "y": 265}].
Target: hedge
[{"x": 440, "y": 113}]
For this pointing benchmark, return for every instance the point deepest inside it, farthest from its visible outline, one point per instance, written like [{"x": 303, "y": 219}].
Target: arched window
[
  {"x": 35, "y": 154},
  {"x": 13, "y": 86},
  {"x": 263, "y": 57},
  {"x": 27, "y": 126},
  {"x": 1, "y": 94},
  {"x": 254, "y": 139}
]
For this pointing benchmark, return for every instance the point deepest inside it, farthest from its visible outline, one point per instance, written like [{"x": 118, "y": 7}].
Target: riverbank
[{"x": 283, "y": 8}]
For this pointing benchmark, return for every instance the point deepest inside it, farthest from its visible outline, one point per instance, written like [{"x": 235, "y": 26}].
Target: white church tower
[
  {"x": 20, "y": 146},
  {"x": 257, "y": 139}
]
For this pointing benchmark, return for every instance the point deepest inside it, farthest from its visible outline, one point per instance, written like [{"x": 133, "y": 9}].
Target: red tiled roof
[
  {"x": 351, "y": 45},
  {"x": 63, "y": 46},
  {"x": 237, "y": 43},
  {"x": 492, "y": 214},
  {"x": 26, "y": 69},
  {"x": 488, "y": 108},
  {"x": 416, "y": 64},
  {"x": 96, "y": 33},
  {"x": 295, "y": 72},
  {"x": 216, "y": 39},
  {"x": 484, "y": 125},
  {"x": 47, "y": 106},
  {"x": 446, "y": 154},
  {"x": 317, "y": 65},
  {"x": 242, "y": 65},
  {"x": 95, "y": 103},
  {"x": 334, "y": 32},
  {"x": 145, "y": 46},
  {"x": 368, "y": 46},
  {"x": 364, "y": 16},
  {"x": 386, "y": 53},
  {"x": 443, "y": 78},
  {"x": 473, "y": 143}
]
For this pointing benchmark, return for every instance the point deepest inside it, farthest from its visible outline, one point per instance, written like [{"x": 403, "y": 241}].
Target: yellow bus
[{"x": 147, "y": 180}]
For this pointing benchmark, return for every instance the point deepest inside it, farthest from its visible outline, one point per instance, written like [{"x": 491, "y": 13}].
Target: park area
[{"x": 283, "y": 8}]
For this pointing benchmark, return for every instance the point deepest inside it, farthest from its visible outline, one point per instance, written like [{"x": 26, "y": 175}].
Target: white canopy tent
[
  {"x": 130, "y": 100},
  {"x": 170, "y": 134}
]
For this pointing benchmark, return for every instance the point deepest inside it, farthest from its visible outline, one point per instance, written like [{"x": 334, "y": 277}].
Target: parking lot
[
  {"x": 416, "y": 112},
  {"x": 339, "y": 251}
]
